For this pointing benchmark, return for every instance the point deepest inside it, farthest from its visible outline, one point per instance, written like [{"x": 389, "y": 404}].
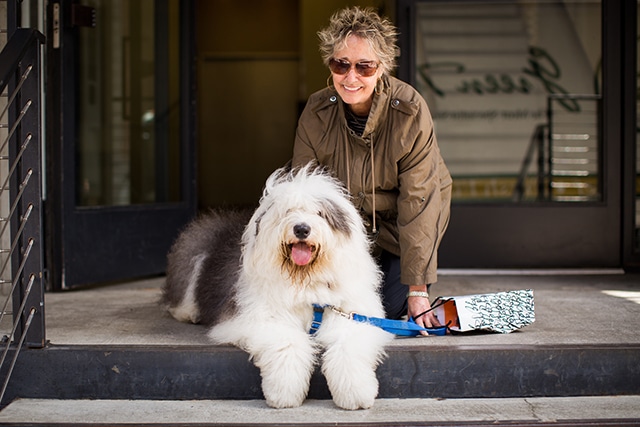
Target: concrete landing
[{"x": 570, "y": 309}]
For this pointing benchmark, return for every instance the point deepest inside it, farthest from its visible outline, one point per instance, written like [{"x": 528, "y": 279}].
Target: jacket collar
[
  {"x": 379, "y": 106},
  {"x": 378, "y": 110}
]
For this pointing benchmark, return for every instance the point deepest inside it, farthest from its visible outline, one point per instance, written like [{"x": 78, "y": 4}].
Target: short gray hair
[{"x": 365, "y": 23}]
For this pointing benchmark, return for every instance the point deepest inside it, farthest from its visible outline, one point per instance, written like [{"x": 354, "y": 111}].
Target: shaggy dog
[{"x": 305, "y": 244}]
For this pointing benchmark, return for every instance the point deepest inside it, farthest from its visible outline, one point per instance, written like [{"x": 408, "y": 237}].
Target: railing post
[
  {"x": 548, "y": 190},
  {"x": 542, "y": 174},
  {"x": 28, "y": 135}
]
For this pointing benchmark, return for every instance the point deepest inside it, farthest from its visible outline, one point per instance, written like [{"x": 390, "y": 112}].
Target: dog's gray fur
[{"x": 207, "y": 251}]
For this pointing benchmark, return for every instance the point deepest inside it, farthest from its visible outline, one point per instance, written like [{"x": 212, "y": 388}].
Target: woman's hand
[{"x": 418, "y": 305}]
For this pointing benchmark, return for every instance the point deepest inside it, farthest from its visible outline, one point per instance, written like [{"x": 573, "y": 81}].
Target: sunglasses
[{"x": 364, "y": 68}]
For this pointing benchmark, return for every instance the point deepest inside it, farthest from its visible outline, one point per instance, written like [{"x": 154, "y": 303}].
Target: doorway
[
  {"x": 248, "y": 79},
  {"x": 128, "y": 164},
  {"x": 120, "y": 137}
]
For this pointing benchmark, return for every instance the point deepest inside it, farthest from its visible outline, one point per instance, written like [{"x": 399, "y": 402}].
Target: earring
[{"x": 330, "y": 82}]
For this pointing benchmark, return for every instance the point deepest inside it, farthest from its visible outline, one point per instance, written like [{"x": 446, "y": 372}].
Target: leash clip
[{"x": 341, "y": 313}]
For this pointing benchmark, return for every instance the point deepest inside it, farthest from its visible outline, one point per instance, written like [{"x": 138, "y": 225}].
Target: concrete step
[
  {"x": 436, "y": 369},
  {"x": 115, "y": 343},
  {"x": 568, "y": 411}
]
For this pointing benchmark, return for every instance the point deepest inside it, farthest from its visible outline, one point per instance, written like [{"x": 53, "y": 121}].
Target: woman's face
[{"x": 354, "y": 89}]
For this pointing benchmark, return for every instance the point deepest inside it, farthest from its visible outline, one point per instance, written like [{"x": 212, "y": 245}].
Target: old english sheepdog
[{"x": 255, "y": 280}]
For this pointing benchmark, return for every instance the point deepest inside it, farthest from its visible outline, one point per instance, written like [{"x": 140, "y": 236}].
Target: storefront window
[{"x": 514, "y": 90}]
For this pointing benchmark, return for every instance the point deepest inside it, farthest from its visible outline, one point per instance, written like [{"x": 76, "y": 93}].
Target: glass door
[
  {"x": 637, "y": 142},
  {"x": 516, "y": 90},
  {"x": 632, "y": 232},
  {"x": 120, "y": 152}
]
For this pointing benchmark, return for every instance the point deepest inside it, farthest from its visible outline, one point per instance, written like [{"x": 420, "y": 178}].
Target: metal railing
[
  {"x": 574, "y": 147},
  {"x": 20, "y": 76},
  {"x": 536, "y": 145},
  {"x": 567, "y": 151}
]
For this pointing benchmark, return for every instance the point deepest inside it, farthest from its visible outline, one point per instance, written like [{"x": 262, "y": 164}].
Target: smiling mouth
[{"x": 301, "y": 253}]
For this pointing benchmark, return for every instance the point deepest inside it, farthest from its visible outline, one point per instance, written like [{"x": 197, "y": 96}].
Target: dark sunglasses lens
[
  {"x": 339, "y": 67},
  {"x": 365, "y": 69}
]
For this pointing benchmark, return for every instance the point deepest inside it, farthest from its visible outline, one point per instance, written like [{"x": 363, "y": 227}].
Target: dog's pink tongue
[{"x": 301, "y": 253}]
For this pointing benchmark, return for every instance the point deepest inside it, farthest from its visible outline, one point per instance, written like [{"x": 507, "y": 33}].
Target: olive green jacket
[{"x": 408, "y": 183}]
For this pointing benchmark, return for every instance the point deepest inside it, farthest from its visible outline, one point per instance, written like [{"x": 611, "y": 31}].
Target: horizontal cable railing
[
  {"x": 574, "y": 148},
  {"x": 21, "y": 226}
]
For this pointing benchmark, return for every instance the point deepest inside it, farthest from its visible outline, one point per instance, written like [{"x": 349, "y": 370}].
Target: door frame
[
  {"x": 629, "y": 78},
  {"x": 91, "y": 245},
  {"x": 544, "y": 234}
]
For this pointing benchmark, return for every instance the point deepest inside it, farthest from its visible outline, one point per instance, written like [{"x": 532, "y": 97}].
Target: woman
[{"x": 376, "y": 133}]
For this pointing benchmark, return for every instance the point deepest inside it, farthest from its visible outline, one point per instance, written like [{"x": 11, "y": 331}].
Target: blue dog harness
[{"x": 397, "y": 327}]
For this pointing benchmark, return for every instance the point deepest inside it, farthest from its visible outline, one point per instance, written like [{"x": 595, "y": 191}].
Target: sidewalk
[{"x": 597, "y": 411}]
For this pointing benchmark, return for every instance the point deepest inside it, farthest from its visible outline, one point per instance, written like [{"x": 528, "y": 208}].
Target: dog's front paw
[
  {"x": 285, "y": 378},
  {"x": 352, "y": 395},
  {"x": 281, "y": 395}
]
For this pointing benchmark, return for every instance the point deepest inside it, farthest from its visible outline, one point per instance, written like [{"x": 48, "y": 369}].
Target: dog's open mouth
[{"x": 301, "y": 253}]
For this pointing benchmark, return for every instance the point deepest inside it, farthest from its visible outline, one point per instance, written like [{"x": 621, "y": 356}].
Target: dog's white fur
[{"x": 272, "y": 308}]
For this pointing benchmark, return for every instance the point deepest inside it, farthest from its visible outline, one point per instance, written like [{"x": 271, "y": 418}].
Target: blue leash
[{"x": 396, "y": 327}]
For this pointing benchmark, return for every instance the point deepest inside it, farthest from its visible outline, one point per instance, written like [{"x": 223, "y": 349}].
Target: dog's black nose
[{"x": 301, "y": 231}]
